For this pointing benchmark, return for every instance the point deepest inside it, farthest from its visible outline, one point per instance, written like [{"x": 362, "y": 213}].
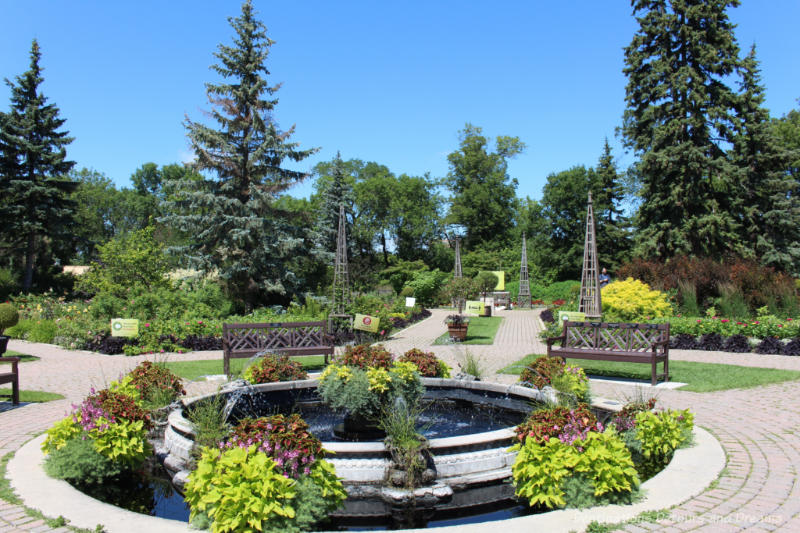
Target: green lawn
[
  {"x": 31, "y": 396},
  {"x": 24, "y": 358},
  {"x": 699, "y": 377},
  {"x": 192, "y": 370},
  {"x": 482, "y": 330}
]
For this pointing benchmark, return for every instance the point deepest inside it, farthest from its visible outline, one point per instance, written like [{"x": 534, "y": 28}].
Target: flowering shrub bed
[
  {"x": 566, "y": 457},
  {"x": 427, "y": 363},
  {"x": 367, "y": 392},
  {"x": 631, "y": 300},
  {"x": 274, "y": 367},
  {"x": 365, "y": 356}
]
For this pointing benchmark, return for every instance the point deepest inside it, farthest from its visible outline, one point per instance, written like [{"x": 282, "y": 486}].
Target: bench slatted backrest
[
  {"x": 245, "y": 340},
  {"x": 614, "y": 336}
]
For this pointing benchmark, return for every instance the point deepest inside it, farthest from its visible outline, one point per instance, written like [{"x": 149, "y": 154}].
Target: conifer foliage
[
  {"x": 680, "y": 119},
  {"x": 35, "y": 211},
  {"x": 238, "y": 231}
]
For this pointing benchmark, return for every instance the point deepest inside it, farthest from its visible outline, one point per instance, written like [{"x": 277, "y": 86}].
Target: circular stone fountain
[{"x": 470, "y": 430}]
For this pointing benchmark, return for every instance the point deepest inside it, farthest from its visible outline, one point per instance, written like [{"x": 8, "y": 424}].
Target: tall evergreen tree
[
  {"x": 769, "y": 203},
  {"x": 680, "y": 120},
  {"x": 335, "y": 188},
  {"x": 36, "y": 211},
  {"x": 612, "y": 228},
  {"x": 484, "y": 195},
  {"x": 238, "y": 230}
]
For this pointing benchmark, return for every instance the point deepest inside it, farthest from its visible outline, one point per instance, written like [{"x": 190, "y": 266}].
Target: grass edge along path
[
  {"x": 23, "y": 357},
  {"x": 482, "y": 330},
  {"x": 699, "y": 377},
  {"x": 31, "y": 396},
  {"x": 194, "y": 370}
]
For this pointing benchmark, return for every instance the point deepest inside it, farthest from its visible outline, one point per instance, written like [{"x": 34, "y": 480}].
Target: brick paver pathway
[{"x": 759, "y": 428}]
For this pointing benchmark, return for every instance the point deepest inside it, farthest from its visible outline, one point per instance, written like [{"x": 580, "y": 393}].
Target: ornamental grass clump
[
  {"x": 367, "y": 392},
  {"x": 634, "y": 301},
  {"x": 427, "y": 363},
  {"x": 274, "y": 367},
  {"x": 270, "y": 475}
]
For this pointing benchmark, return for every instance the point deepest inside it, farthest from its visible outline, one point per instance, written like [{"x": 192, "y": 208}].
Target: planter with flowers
[{"x": 457, "y": 326}]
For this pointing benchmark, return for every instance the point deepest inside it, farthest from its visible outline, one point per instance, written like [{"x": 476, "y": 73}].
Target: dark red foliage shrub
[
  {"x": 106, "y": 344},
  {"x": 736, "y": 344},
  {"x": 547, "y": 316},
  {"x": 760, "y": 285},
  {"x": 559, "y": 302},
  {"x": 770, "y": 345},
  {"x": 540, "y": 373},
  {"x": 711, "y": 342},
  {"x": 560, "y": 422},
  {"x": 365, "y": 356},
  {"x": 792, "y": 348},
  {"x": 286, "y": 439},
  {"x": 275, "y": 367},
  {"x": 149, "y": 378},
  {"x": 426, "y": 362},
  {"x": 198, "y": 343},
  {"x": 684, "y": 341},
  {"x": 120, "y": 406}
]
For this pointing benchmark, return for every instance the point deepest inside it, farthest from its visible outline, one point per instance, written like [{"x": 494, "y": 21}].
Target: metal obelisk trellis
[
  {"x": 524, "y": 297},
  {"x": 341, "y": 278},
  {"x": 458, "y": 303},
  {"x": 590, "y": 286}
]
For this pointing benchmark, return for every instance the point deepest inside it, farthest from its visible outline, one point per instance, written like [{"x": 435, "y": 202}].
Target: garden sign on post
[
  {"x": 366, "y": 323},
  {"x": 124, "y": 327}
]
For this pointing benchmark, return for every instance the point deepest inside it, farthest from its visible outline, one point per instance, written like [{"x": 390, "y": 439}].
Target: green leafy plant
[
  {"x": 9, "y": 316},
  {"x": 78, "y": 461},
  {"x": 541, "y": 470},
  {"x": 155, "y": 383},
  {"x": 274, "y": 367},
  {"x": 407, "y": 447},
  {"x": 366, "y": 393},
  {"x": 472, "y": 365},
  {"x": 243, "y": 489},
  {"x": 658, "y": 435}
]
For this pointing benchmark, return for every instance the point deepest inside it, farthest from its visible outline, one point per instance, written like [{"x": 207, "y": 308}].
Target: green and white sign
[
  {"x": 366, "y": 323},
  {"x": 572, "y": 316},
  {"x": 473, "y": 308},
  {"x": 124, "y": 327}
]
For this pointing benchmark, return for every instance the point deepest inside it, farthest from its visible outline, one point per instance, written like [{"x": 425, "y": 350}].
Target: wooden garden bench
[
  {"x": 607, "y": 341},
  {"x": 11, "y": 376},
  {"x": 290, "y": 338}
]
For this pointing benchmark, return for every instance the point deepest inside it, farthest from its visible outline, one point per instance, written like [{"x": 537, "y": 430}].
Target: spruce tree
[
  {"x": 36, "y": 212},
  {"x": 612, "y": 228},
  {"x": 335, "y": 188},
  {"x": 238, "y": 231},
  {"x": 680, "y": 120},
  {"x": 769, "y": 203}
]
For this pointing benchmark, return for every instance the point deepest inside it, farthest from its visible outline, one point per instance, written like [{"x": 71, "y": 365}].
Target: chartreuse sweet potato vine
[
  {"x": 244, "y": 490},
  {"x": 541, "y": 470}
]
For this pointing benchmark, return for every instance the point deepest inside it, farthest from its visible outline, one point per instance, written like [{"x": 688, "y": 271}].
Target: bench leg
[
  {"x": 15, "y": 391},
  {"x": 226, "y": 366},
  {"x": 654, "y": 372},
  {"x": 666, "y": 369}
]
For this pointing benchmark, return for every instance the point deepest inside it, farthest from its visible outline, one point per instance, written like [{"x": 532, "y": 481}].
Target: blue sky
[{"x": 391, "y": 82}]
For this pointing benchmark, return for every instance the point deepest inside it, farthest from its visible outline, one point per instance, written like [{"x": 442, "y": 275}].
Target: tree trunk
[{"x": 29, "y": 258}]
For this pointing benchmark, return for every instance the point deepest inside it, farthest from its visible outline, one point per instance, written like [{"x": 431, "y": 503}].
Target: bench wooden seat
[
  {"x": 619, "y": 342},
  {"x": 290, "y": 338},
  {"x": 11, "y": 376}
]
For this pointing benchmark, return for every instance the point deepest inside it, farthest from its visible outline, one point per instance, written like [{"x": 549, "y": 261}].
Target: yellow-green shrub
[
  {"x": 632, "y": 300},
  {"x": 541, "y": 470}
]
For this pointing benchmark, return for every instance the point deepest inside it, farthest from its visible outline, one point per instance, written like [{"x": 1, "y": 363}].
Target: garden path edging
[{"x": 688, "y": 474}]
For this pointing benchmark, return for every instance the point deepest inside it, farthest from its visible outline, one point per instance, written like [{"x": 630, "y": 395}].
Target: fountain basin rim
[{"x": 182, "y": 425}]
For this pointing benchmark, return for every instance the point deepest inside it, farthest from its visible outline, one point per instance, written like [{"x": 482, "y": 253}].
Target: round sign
[
  {"x": 366, "y": 321},
  {"x": 116, "y": 325}
]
